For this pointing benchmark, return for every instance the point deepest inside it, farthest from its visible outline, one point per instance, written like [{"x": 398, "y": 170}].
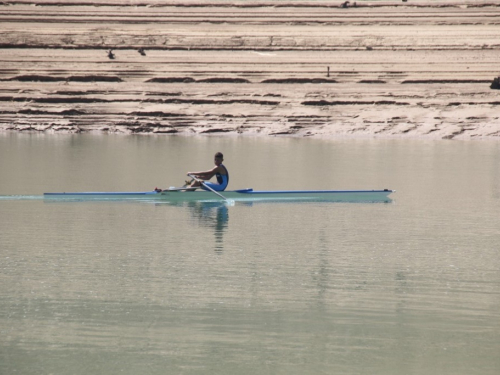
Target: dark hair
[{"x": 219, "y": 155}]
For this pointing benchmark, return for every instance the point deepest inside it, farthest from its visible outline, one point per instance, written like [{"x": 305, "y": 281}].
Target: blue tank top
[{"x": 220, "y": 178}]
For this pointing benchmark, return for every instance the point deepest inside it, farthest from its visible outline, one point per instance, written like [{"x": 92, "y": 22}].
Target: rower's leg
[{"x": 195, "y": 184}]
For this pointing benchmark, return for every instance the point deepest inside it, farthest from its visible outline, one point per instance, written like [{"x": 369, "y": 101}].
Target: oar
[{"x": 229, "y": 201}]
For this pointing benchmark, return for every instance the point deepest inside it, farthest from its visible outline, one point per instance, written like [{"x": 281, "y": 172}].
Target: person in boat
[{"x": 219, "y": 171}]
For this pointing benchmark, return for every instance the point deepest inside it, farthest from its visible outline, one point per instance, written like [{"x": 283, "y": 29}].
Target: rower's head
[{"x": 218, "y": 158}]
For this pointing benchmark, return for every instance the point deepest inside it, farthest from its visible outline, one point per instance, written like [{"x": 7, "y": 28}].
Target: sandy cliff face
[{"x": 380, "y": 69}]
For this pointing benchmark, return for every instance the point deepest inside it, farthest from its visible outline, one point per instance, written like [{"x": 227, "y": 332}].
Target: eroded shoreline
[{"x": 383, "y": 69}]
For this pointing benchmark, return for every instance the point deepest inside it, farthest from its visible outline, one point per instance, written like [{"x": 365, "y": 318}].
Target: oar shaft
[{"x": 208, "y": 187}]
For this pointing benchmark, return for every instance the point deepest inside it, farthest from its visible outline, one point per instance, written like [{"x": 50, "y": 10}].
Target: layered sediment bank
[{"x": 283, "y": 68}]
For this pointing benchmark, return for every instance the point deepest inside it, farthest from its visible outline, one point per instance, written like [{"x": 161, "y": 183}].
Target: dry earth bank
[{"x": 380, "y": 69}]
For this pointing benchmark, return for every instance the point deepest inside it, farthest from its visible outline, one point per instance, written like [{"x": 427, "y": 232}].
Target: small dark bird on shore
[
  {"x": 141, "y": 51},
  {"x": 495, "y": 85},
  {"x": 345, "y": 4},
  {"x": 111, "y": 55}
]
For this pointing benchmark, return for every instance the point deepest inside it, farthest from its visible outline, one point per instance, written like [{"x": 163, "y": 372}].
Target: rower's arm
[{"x": 205, "y": 175}]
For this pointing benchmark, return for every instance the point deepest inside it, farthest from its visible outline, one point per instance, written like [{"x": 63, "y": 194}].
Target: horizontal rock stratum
[{"x": 281, "y": 68}]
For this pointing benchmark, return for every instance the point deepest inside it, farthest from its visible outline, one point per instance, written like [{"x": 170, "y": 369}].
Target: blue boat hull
[{"x": 237, "y": 195}]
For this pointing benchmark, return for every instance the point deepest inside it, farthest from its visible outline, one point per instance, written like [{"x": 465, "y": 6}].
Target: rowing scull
[{"x": 237, "y": 195}]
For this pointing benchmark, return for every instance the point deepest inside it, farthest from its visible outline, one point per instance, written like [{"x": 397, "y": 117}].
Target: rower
[{"x": 219, "y": 171}]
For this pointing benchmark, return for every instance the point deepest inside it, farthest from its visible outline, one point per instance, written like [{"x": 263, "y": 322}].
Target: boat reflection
[{"x": 212, "y": 215}]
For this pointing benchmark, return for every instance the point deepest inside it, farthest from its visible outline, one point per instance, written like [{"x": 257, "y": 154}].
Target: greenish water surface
[{"x": 408, "y": 287}]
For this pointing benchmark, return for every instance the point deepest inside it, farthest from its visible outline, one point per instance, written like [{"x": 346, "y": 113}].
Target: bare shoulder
[{"x": 220, "y": 169}]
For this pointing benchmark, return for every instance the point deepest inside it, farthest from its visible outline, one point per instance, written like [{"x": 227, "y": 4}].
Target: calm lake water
[{"x": 407, "y": 287}]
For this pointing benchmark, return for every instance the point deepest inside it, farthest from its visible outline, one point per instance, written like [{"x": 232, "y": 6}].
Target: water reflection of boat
[
  {"x": 213, "y": 215},
  {"x": 237, "y": 195}
]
